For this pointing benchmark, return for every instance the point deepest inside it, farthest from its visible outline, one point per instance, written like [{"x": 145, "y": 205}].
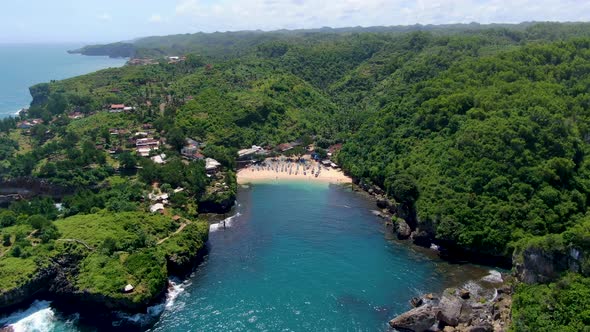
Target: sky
[{"x": 87, "y": 21}]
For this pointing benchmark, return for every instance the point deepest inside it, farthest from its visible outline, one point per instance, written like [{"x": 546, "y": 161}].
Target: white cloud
[
  {"x": 155, "y": 18},
  {"x": 105, "y": 17},
  {"x": 276, "y": 14}
]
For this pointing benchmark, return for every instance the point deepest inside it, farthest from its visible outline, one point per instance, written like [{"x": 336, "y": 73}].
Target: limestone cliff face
[
  {"x": 539, "y": 265},
  {"x": 26, "y": 292},
  {"x": 56, "y": 282},
  {"x": 217, "y": 206}
]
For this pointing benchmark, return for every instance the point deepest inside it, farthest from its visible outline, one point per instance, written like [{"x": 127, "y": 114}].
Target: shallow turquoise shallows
[
  {"x": 302, "y": 257},
  {"x": 23, "y": 65}
]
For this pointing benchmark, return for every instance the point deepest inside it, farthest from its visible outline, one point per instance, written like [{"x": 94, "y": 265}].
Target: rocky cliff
[
  {"x": 476, "y": 307},
  {"x": 57, "y": 280},
  {"x": 38, "y": 283},
  {"x": 536, "y": 264}
]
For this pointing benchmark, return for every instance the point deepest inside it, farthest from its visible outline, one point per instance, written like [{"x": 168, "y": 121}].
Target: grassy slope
[{"x": 123, "y": 251}]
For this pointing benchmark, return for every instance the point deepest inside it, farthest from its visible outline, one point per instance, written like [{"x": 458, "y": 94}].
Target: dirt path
[
  {"x": 12, "y": 243},
  {"x": 78, "y": 241},
  {"x": 180, "y": 228}
]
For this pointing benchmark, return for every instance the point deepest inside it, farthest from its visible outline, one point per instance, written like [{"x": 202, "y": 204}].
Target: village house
[
  {"x": 159, "y": 159},
  {"x": 245, "y": 153},
  {"x": 176, "y": 59},
  {"x": 157, "y": 207},
  {"x": 211, "y": 165},
  {"x": 192, "y": 150},
  {"x": 115, "y": 150},
  {"x": 76, "y": 115},
  {"x": 158, "y": 198},
  {"x": 329, "y": 163},
  {"x": 285, "y": 147},
  {"x": 145, "y": 145},
  {"x": 148, "y": 141},
  {"x": 119, "y": 132},
  {"x": 334, "y": 149},
  {"x": 24, "y": 125},
  {"x": 28, "y": 124},
  {"x": 117, "y": 108}
]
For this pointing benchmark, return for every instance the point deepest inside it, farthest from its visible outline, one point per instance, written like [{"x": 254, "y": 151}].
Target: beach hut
[
  {"x": 156, "y": 207},
  {"x": 128, "y": 289}
]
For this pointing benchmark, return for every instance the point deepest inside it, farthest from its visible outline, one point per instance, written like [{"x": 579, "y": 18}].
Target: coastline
[{"x": 260, "y": 174}]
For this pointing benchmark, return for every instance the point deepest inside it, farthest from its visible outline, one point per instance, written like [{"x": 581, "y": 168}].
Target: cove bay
[{"x": 295, "y": 256}]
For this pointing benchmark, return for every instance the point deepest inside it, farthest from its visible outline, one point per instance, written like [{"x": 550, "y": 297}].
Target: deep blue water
[
  {"x": 297, "y": 257},
  {"x": 23, "y": 65}
]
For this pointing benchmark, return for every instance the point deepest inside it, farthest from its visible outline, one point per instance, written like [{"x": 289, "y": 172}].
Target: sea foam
[
  {"x": 493, "y": 277},
  {"x": 38, "y": 317},
  {"x": 225, "y": 223}
]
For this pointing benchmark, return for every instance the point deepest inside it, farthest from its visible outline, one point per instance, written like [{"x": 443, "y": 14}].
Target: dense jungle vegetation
[{"x": 480, "y": 132}]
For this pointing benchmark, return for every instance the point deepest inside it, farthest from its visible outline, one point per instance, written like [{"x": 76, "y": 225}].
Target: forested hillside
[{"x": 479, "y": 133}]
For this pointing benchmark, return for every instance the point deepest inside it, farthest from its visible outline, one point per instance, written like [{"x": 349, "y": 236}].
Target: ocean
[
  {"x": 24, "y": 65},
  {"x": 296, "y": 256}
]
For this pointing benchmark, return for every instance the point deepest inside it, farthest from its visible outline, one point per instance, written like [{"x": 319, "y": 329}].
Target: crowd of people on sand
[{"x": 291, "y": 168}]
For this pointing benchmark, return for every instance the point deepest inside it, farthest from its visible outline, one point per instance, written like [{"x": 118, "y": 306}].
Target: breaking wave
[
  {"x": 493, "y": 277},
  {"x": 38, "y": 317},
  {"x": 225, "y": 223}
]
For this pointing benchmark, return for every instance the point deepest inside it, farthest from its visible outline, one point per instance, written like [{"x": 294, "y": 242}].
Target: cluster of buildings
[
  {"x": 143, "y": 141},
  {"x": 160, "y": 201},
  {"x": 147, "y": 61},
  {"x": 28, "y": 124},
  {"x": 192, "y": 151},
  {"x": 142, "y": 62}
]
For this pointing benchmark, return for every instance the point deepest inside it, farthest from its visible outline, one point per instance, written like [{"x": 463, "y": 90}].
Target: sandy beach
[{"x": 281, "y": 170}]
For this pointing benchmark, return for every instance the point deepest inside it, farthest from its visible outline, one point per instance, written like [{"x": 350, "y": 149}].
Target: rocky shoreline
[
  {"x": 478, "y": 306},
  {"x": 407, "y": 226},
  {"x": 482, "y": 306}
]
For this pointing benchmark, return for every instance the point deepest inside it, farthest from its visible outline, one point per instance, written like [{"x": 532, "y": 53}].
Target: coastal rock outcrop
[
  {"x": 422, "y": 318},
  {"x": 478, "y": 307},
  {"x": 401, "y": 228},
  {"x": 422, "y": 238}
]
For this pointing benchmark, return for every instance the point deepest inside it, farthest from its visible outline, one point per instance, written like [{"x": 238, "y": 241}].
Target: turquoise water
[
  {"x": 297, "y": 257},
  {"x": 302, "y": 257},
  {"x": 24, "y": 65}
]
